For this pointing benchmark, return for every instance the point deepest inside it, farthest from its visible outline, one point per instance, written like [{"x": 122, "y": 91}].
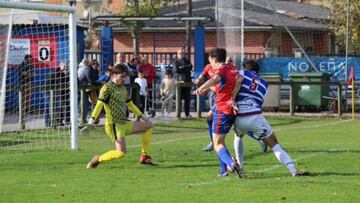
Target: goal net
[
  {"x": 293, "y": 39},
  {"x": 37, "y": 70},
  {"x": 272, "y": 28}
]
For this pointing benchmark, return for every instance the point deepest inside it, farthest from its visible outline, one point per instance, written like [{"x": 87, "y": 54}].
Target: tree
[
  {"x": 338, "y": 24},
  {"x": 141, "y": 8}
]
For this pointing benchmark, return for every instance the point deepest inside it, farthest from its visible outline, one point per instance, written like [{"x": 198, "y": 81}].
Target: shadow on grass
[
  {"x": 326, "y": 151},
  {"x": 4, "y": 143},
  {"x": 251, "y": 155},
  {"x": 189, "y": 165},
  {"x": 262, "y": 175},
  {"x": 268, "y": 175},
  {"x": 329, "y": 173}
]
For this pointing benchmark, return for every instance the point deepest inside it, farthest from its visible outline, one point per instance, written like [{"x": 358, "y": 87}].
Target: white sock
[
  {"x": 284, "y": 158},
  {"x": 239, "y": 150}
]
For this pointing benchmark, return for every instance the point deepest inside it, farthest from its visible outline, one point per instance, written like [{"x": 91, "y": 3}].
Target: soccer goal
[{"x": 38, "y": 66}]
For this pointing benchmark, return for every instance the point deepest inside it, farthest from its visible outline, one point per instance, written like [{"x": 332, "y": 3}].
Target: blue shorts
[{"x": 222, "y": 123}]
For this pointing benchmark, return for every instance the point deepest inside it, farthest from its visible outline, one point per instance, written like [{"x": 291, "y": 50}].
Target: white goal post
[{"x": 72, "y": 58}]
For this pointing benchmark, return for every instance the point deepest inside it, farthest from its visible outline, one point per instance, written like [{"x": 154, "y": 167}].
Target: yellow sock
[
  {"x": 146, "y": 141},
  {"x": 110, "y": 155}
]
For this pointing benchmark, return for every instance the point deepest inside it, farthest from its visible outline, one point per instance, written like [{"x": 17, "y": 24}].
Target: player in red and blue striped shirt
[{"x": 224, "y": 80}]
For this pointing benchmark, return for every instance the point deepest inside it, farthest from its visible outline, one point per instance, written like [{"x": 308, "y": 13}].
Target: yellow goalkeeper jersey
[{"x": 114, "y": 99}]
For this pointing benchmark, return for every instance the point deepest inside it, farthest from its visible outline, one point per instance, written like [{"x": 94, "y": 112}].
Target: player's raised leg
[
  {"x": 262, "y": 130},
  {"x": 283, "y": 156},
  {"x": 146, "y": 139}
]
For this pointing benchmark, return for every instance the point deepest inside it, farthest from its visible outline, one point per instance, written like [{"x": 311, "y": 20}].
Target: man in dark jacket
[
  {"x": 26, "y": 74},
  {"x": 183, "y": 68},
  {"x": 58, "y": 81}
]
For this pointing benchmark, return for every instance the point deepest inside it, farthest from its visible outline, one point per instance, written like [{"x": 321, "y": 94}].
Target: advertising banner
[
  {"x": 335, "y": 66},
  {"x": 18, "y": 49}
]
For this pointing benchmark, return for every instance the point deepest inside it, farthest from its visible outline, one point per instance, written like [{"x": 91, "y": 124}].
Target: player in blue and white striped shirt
[{"x": 248, "y": 97}]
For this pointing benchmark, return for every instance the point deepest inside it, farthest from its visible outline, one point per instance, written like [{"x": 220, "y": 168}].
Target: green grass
[{"x": 328, "y": 148}]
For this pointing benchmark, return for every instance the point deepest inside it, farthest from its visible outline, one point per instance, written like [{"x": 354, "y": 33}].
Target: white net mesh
[
  {"x": 35, "y": 93},
  {"x": 229, "y": 27},
  {"x": 289, "y": 38},
  {"x": 273, "y": 28}
]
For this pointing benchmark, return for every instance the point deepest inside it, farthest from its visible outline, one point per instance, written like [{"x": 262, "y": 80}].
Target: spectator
[
  {"x": 133, "y": 71},
  {"x": 96, "y": 66},
  {"x": 183, "y": 68},
  {"x": 58, "y": 81},
  {"x": 86, "y": 76},
  {"x": 143, "y": 89},
  {"x": 26, "y": 75},
  {"x": 149, "y": 74},
  {"x": 167, "y": 91},
  {"x": 106, "y": 76},
  {"x": 120, "y": 59},
  {"x": 133, "y": 66}
]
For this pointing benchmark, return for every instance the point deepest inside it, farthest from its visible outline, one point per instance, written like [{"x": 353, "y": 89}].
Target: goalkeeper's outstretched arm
[
  {"x": 137, "y": 112},
  {"x": 133, "y": 108},
  {"x": 97, "y": 110},
  {"x": 94, "y": 115}
]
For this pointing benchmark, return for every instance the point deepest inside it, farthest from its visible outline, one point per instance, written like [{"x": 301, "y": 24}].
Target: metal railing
[
  {"x": 154, "y": 57},
  {"x": 339, "y": 86},
  {"x": 157, "y": 57}
]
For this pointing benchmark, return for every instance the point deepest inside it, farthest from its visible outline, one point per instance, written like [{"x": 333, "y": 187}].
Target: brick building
[{"x": 264, "y": 32}]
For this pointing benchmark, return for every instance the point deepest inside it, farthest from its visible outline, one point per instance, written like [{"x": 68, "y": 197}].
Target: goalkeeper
[{"x": 115, "y": 100}]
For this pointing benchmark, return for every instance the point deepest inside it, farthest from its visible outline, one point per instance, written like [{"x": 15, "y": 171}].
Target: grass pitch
[{"x": 328, "y": 148}]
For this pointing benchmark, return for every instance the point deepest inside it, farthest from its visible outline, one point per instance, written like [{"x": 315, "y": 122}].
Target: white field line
[{"x": 314, "y": 126}]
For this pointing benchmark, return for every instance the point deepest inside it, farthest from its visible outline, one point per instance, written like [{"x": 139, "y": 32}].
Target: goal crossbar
[{"x": 37, "y": 6}]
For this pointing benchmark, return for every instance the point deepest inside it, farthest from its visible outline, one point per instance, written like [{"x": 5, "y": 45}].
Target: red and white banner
[{"x": 43, "y": 49}]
